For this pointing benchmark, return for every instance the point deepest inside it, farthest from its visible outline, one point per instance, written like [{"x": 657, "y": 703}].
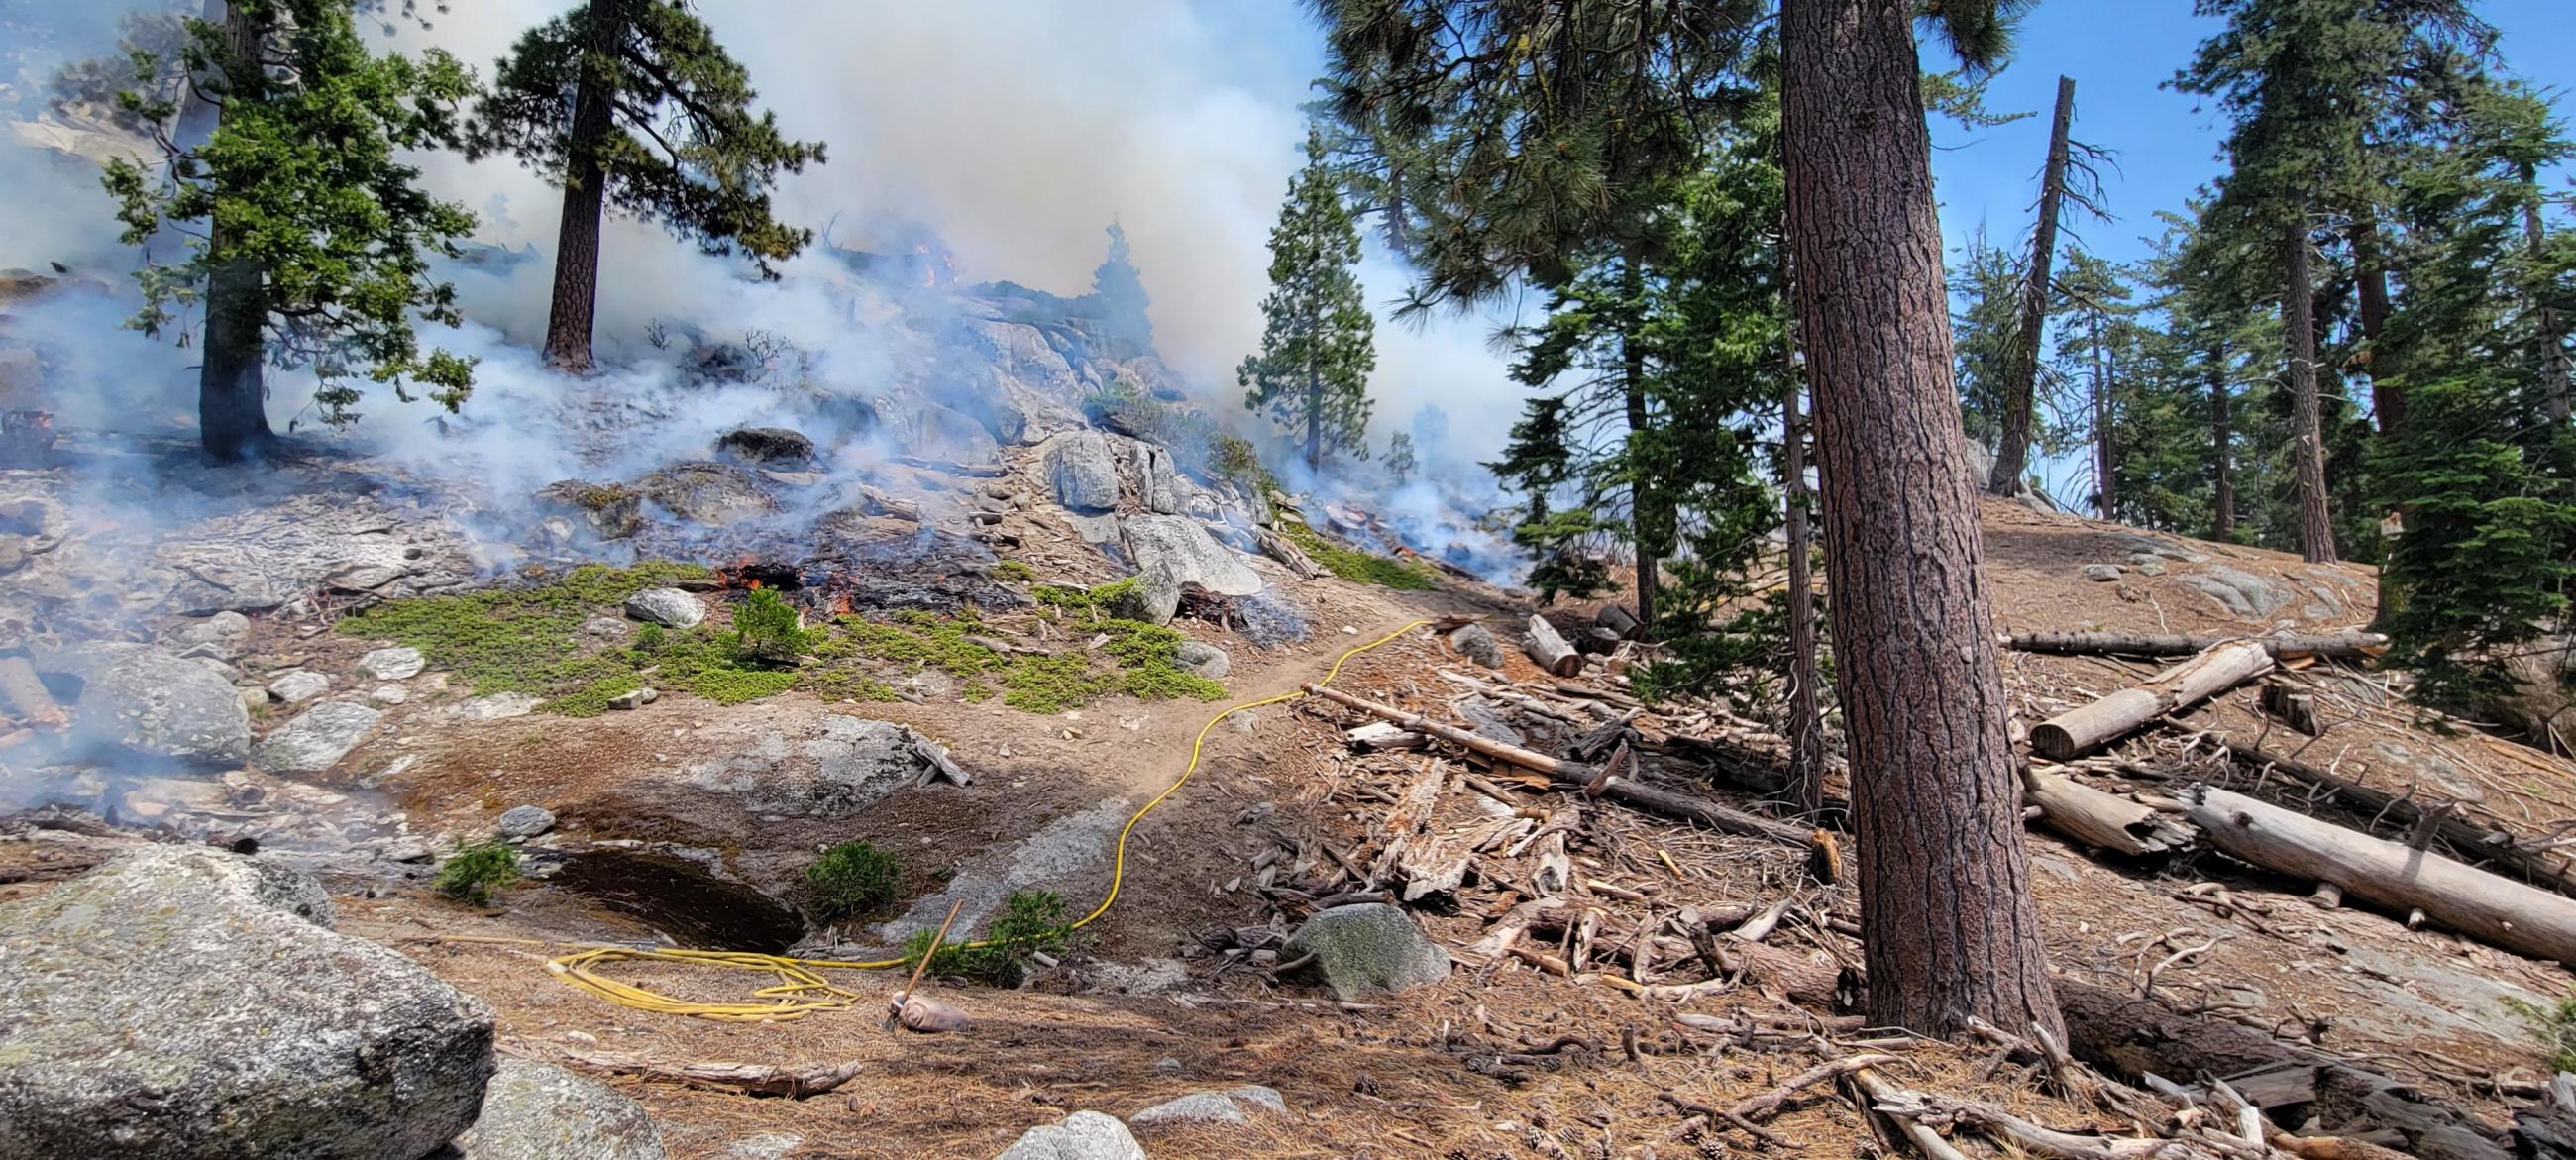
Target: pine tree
[
  {"x": 1318, "y": 346},
  {"x": 317, "y": 236},
  {"x": 1944, "y": 877},
  {"x": 1118, "y": 297},
  {"x": 632, "y": 105},
  {"x": 1399, "y": 457}
]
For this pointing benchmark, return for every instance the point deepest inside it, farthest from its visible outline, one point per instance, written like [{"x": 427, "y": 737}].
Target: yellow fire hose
[{"x": 801, "y": 989}]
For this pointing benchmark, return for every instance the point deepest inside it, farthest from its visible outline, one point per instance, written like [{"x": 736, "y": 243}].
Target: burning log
[
  {"x": 877, "y": 503},
  {"x": 2335, "y": 645},
  {"x": 2079, "y": 730},
  {"x": 1550, "y": 650}
]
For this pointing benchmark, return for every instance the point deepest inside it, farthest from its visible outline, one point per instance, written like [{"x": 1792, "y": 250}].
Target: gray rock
[
  {"x": 296, "y": 686},
  {"x": 181, "y": 1002},
  {"x": 317, "y": 738},
  {"x": 1205, "y": 659},
  {"x": 1180, "y": 550},
  {"x": 389, "y": 695},
  {"x": 853, "y": 764},
  {"x": 1227, "y": 1107},
  {"x": 609, "y": 510},
  {"x": 524, "y": 822},
  {"x": 2146, "y": 563},
  {"x": 708, "y": 493},
  {"x": 210, "y": 589},
  {"x": 1369, "y": 948},
  {"x": 536, "y": 1111},
  {"x": 1082, "y": 1136},
  {"x": 393, "y": 664},
  {"x": 1153, "y": 598},
  {"x": 1477, "y": 644},
  {"x": 634, "y": 699},
  {"x": 1158, "y": 478},
  {"x": 498, "y": 707},
  {"x": 1084, "y": 473},
  {"x": 363, "y": 576},
  {"x": 607, "y": 628},
  {"x": 773, "y": 447},
  {"x": 2102, "y": 573},
  {"x": 2139, "y": 543},
  {"x": 2247, "y": 596},
  {"x": 223, "y": 629},
  {"x": 668, "y": 607},
  {"x": 152, "y": 702}
]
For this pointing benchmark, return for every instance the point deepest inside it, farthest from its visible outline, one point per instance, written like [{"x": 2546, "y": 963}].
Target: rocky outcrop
[
  {"x": 537, "y": 1111},
  {"x": 1159, "y": 479},
  {"x": 708, "y": 493},
  {"x": 318, "y": 737},
  {"x": 1180, "y": 548},
  {"x": 1081, "y": 1136},
  {"x": 772, "y": 447},
  {"x": 2244, "y": 595},
  {"x": 1205, "y": 659},
  {"x": 1083, "y": 471},
  {"x": 136, "y": 699},
  {"x": 523, "y": 822},
  {"x": 939, "y": 432},
  {"x": 1367, "y": 949},
  {"x": 185, "y": 1003},
  {"x": 610, "y": 511}
]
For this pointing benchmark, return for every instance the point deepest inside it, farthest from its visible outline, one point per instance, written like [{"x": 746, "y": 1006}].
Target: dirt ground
[{"x": 1502, "y": 1059}]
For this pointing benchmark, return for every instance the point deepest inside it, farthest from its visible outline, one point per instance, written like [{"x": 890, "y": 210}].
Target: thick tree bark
[
  {"x": 2556, "y": 369},
  {"x": 2307, "y": 436},
  {"x": 1653, "y": 515},
  {"x": 232, "y": 392},
  {"x": 1806, "y": 721},
  {"x": 585, "y": 192},
  {"x": 2222, "y": 496},
  {"x": 2012, "y": 455},
  {"x": 1944, "y": 875},
  {"x": 2387, "y": 402}
]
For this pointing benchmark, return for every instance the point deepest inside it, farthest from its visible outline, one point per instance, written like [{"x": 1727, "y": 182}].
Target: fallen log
[
  {"x": 1550, "y": 650},
  {"x": 2494, "y": 910},
  {"x": 2337, "y": 645},
  {"x": 2532, "y": 861},
  {"x": 1383, "y": 736},
  {"x": 2077, "y": 731},
  {"x": 1464, "y": 739},
  {"x": 1705, "y": 812},
  {"x": 1617, "y": 619},
  {"x": 748, "y": 1078},
  {"x": 1286, "y": 551},
  {"x": 2095, "y": 818}
]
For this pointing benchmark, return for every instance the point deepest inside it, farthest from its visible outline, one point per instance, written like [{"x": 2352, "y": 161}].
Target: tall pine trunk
[
  {"x": 1949, "y": 929},
  {"x": 2307, "y": 435},
  {"x": 2556, "y": 369},
  {"x": 1314, "y": 421},
  {"x": 2222, "y": 496},
  {"x": 232, "y": 392},
  {"x": 2102, "y": 465},
  {"x": 585, "y": 191},
  {"x": 2012, "y": 456},
  {"x": 2387, "y": 401},
  {"x": 1806, "y": 720},
  {"x": 1652, "y": 514}
]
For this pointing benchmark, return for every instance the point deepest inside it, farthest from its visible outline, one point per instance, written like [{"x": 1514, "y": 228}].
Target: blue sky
[{"x": 2120, "y": 53}]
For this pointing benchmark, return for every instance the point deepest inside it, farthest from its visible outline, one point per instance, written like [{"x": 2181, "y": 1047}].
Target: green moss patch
[{"x": 1353, "y": 564}]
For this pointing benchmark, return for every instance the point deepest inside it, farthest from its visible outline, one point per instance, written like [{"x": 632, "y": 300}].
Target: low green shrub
[
  {"x": 1032, "y": 922},
  {"x": 474, "y": 871},
  {"x": 852, "y": 879},
  {"x": 2555, "y": 1025},
  {"x": 1014, "y": 572},
  {"x": 1353, "y": 564},
  {"x": 767, "y": 630}
]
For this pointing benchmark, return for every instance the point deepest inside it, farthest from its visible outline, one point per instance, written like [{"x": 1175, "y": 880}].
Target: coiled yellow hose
[{"x": 801, "y": 989}]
